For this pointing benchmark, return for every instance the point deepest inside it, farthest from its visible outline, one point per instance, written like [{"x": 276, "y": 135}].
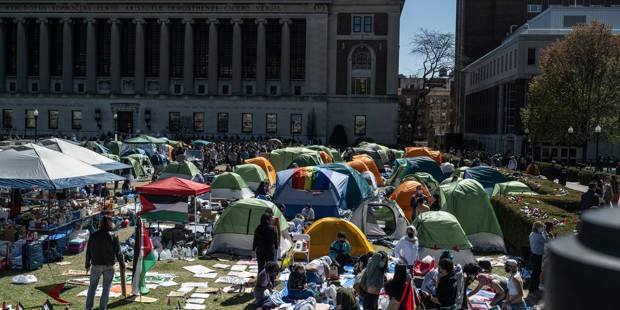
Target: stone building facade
[{"x": 200, "y": 68}]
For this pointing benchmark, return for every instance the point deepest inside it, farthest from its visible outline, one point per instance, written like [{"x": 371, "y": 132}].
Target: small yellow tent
[
  {"x": 267, "y": 167},
  {"x": 324, "y": 231}
]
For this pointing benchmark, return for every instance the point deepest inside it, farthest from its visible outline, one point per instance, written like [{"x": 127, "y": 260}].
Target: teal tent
[
  {"x": 357, "y": 187},
  {"x": 485, "y": 175}
]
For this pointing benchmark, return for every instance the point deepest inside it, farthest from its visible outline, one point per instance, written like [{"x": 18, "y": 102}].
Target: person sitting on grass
[
  {"x": 318, "y": 270},
  {"x": 497, "y": 283},
  {"x": 340, "y": 252},
  {"x": 264, "y": 281},
  {"x": 445, "y": 294},
  {"x": 298, "y": 287}
]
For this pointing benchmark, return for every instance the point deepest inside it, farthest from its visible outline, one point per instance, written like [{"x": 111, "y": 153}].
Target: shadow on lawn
[{"x": 238, "y": 299}]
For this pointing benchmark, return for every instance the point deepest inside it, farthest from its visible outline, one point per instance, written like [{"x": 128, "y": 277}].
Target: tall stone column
[
  {"x": 44, "y": 56},
  {"x": 164, "y": 57},
  {"x": 67, "y": 56},
  {"x": 236, "y": 59},
  {"x": 22, "y": 56},
  {"x": 213, "y": 70},
  {"x": 260, "y": 56},
  {"x": 115, "y": 56},
  {"x": 2, "y": 57},
  {"x": 285, "y": 60},
  {"x": 139, "y": 57},
  {"x": 188, "y": 57},
  {"x": 91, "y": 56}
]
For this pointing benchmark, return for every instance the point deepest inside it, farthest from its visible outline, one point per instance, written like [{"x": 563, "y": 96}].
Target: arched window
[{"x": 361, "y": 59}]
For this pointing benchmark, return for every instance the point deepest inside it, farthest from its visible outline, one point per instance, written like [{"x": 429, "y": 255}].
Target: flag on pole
[
  {"x": 47, "y": 305},
  {"x": 143, "y": 259},
  {"x": 19, "y": 306},
  {"x": 164, "y": 208}
]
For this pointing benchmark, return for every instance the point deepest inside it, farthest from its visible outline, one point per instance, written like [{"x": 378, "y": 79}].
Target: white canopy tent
[
  {"x": 33, "y": 166},
  {"x": 83, "y": 154}
]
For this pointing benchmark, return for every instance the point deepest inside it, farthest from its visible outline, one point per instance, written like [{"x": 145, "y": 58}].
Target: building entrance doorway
[{"x": 125, "y": 122}]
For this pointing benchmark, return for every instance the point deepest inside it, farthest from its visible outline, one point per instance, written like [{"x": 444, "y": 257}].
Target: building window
[
  {"x": 7, "y": 118},
  {"x": 11, "y": 47},
  {"x": 570, "y": 21},
  {"x": 296, "y": 124},
  {"x": 225, "y": 46},
  {"x": 127, "y": 31},
  {"x": 298, "y": 49},
  {"x": 79, "y": 47},
  {"x": 80, "y": 87},
  {"x": 30, "y": 120},
  {"x": 103, "y": 47},
  {"x": 273, "y": 90},
  {"x": 367, "y": 23},
  {"x": 57, "y": 87},
  {"x": 199, "y": 121},
  {"x": 248, "y": 49},
  {"x": 34, "y": 87},
  {"x": 174, "y": 121},
  {"x": 32, "y": 30},
  {"x": 273, "y": 44},
  {"x": 55, "y": 41},
  {"x": 531, "y": 56},
  {"x": 201, "y": 50},
  {"x": 249, "y": 90},
  {"x": 151, "y": 43},
  {"x": 361, "y": 86},
  {"x": 515, "y": 58},
  {"x": 297, "y": 90},
  {"x": 76, "y": 119},
  {"x": 52, "y": 119},
  {"x": 246, "y": 122},
  {"x": 357, "y": 24},
  {"x": 510, "y": 60},
  {"x": 222, "y": 122},
  {"x": 201, "y": 89},
  {"x": 361, "y": 59},
  {"x": 272, "y": 123},
  {"x": 177, "y": 89},
  {"x": 177, "y": 41},
  {"x": 534, "y": 8},
  {"x": 360, "y": 125},
  {"x": 225, "y": 90}
]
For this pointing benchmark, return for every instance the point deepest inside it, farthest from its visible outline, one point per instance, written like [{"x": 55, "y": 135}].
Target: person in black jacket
[
  {"x": 395, "y": 287},
  {"x": 265, "y": 241},
  {"x": 446, "y": 291},
  {"x": 102, "y": 252},
  {"x": 589, "y": 198}
]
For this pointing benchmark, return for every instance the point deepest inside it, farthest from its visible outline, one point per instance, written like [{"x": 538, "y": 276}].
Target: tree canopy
[{"x": 579, "y": 87}]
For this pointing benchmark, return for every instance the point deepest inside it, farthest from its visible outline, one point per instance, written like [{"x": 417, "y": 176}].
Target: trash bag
[{"x": 24, "y": 279}]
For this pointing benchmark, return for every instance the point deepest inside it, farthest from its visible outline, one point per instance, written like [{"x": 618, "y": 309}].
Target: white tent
[
  {"x": 34, "y": 166},
  {"x": 83, "y": 154},
  {"x": 379, "y": 219}
]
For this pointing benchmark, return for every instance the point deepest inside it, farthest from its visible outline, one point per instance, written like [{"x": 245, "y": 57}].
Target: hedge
[
  {"x": 516, "y": 224},
  {"x": 550, "y": 192},
  {"x": 583, "y": 175}
]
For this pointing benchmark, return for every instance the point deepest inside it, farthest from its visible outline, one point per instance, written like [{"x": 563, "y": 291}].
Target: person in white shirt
[
  {"x": 308, "y": 213},
  {"x": 406, "y": 249}
]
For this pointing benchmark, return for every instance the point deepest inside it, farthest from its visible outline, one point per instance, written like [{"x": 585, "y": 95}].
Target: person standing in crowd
[
  {"x": 538, "y": 238},
  {"x": 406, "y": 249},
  {"x": 265, "y": 241},
  {"x": 615, "y": 191},
  {"x": 399, "y": 283},
  {"x": 512, "y": 163},
  {"x": 514, "y": 301},
  {"x": 340, "y": 251},
  {"x": 446, "y": 292},
  {"x": 308, "y": 213},
  {"x": 589, "y": 198},
  {"x": 372, "y": 279},
  {"x": 102, "y": 252}
]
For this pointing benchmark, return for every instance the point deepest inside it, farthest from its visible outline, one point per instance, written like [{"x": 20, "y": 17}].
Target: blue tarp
[
  {"x": 326, "y": 203},
  {"x": 357, "y": 187},
  {"x": 485, "y": 175}
]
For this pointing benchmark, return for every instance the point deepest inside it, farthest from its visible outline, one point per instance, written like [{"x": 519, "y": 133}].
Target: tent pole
[{"x": 195, "y": 221}]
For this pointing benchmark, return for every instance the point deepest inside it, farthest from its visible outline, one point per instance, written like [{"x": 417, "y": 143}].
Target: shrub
[{"x": 517, "y": 214}]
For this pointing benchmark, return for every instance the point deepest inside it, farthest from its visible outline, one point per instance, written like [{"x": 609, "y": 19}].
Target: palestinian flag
[
  {"x": 19, "y": 306},
  {"x": 143, "y": 259},
  {"x": 47, "y": 305},
  {"x": 164, "y": 208}
]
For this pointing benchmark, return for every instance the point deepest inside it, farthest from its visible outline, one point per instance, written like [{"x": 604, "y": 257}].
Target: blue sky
[{"x": 432, "y": 14}]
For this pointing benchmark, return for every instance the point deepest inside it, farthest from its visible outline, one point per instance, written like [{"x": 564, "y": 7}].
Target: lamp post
[
  {"x": 570, "y": 133},
  {"x": 36, "y": 121},
  {"x": 597, "y": 131},
  {"x": 115, "y": 126}
]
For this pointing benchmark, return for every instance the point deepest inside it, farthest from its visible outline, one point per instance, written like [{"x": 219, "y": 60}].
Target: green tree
[{"x": 579, "y": 86}]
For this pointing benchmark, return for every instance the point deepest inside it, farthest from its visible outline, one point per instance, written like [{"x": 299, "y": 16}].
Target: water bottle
[
  {"x": 194, "y": 252},
  {"x": 175, "y": 253}
]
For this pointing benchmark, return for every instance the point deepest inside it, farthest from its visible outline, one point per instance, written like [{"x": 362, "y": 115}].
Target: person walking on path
[{"x": 102, "y": 252}]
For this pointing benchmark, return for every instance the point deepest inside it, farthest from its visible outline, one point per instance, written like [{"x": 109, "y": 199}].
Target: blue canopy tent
[
  {"x": 405, "y": 166},
  {"x": 33, "y": 166},
  {"x": 357, "y": 187},
  {"x": 323, "y": 189},
  {"x": 485, "y": 175}
]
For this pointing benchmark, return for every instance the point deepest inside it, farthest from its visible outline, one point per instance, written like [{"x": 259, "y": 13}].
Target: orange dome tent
[
  {"x": 358, "y": 165},
  {"x": 370, "y": 163},
  {"x": 413, "y": 151},
  {"x": 326, "y": 158},
  {"x": 403, "y": 193},
  {"x": 324, "y": 231},
  {"x": 266, "y": 165}
]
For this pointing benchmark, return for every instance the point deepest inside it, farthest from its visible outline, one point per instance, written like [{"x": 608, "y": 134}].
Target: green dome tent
[
  {"x": 512, "y": 188},
  {"x": 184, "y": 170},
  {"x": 230, "y": 185},
  {"x": 252, "y": 174},
  {"x": 335, "y": 154},
  {"x": 281, "y": 159},
  {"x": 233, "y": 232},
  {"x": 469, "y": 203},
  {"x": 424, "y": 178},
  {"x": 439, "y": 231},
  {"x": 136, "y": 167},
  {"x": 115, "y": 147},
  {"x": 306, "y": 160},
  {"x": 144, "y": 139}
]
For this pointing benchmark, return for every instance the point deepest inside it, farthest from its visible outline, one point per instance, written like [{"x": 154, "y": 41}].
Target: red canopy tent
[{"x": 174, "y": 187}]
